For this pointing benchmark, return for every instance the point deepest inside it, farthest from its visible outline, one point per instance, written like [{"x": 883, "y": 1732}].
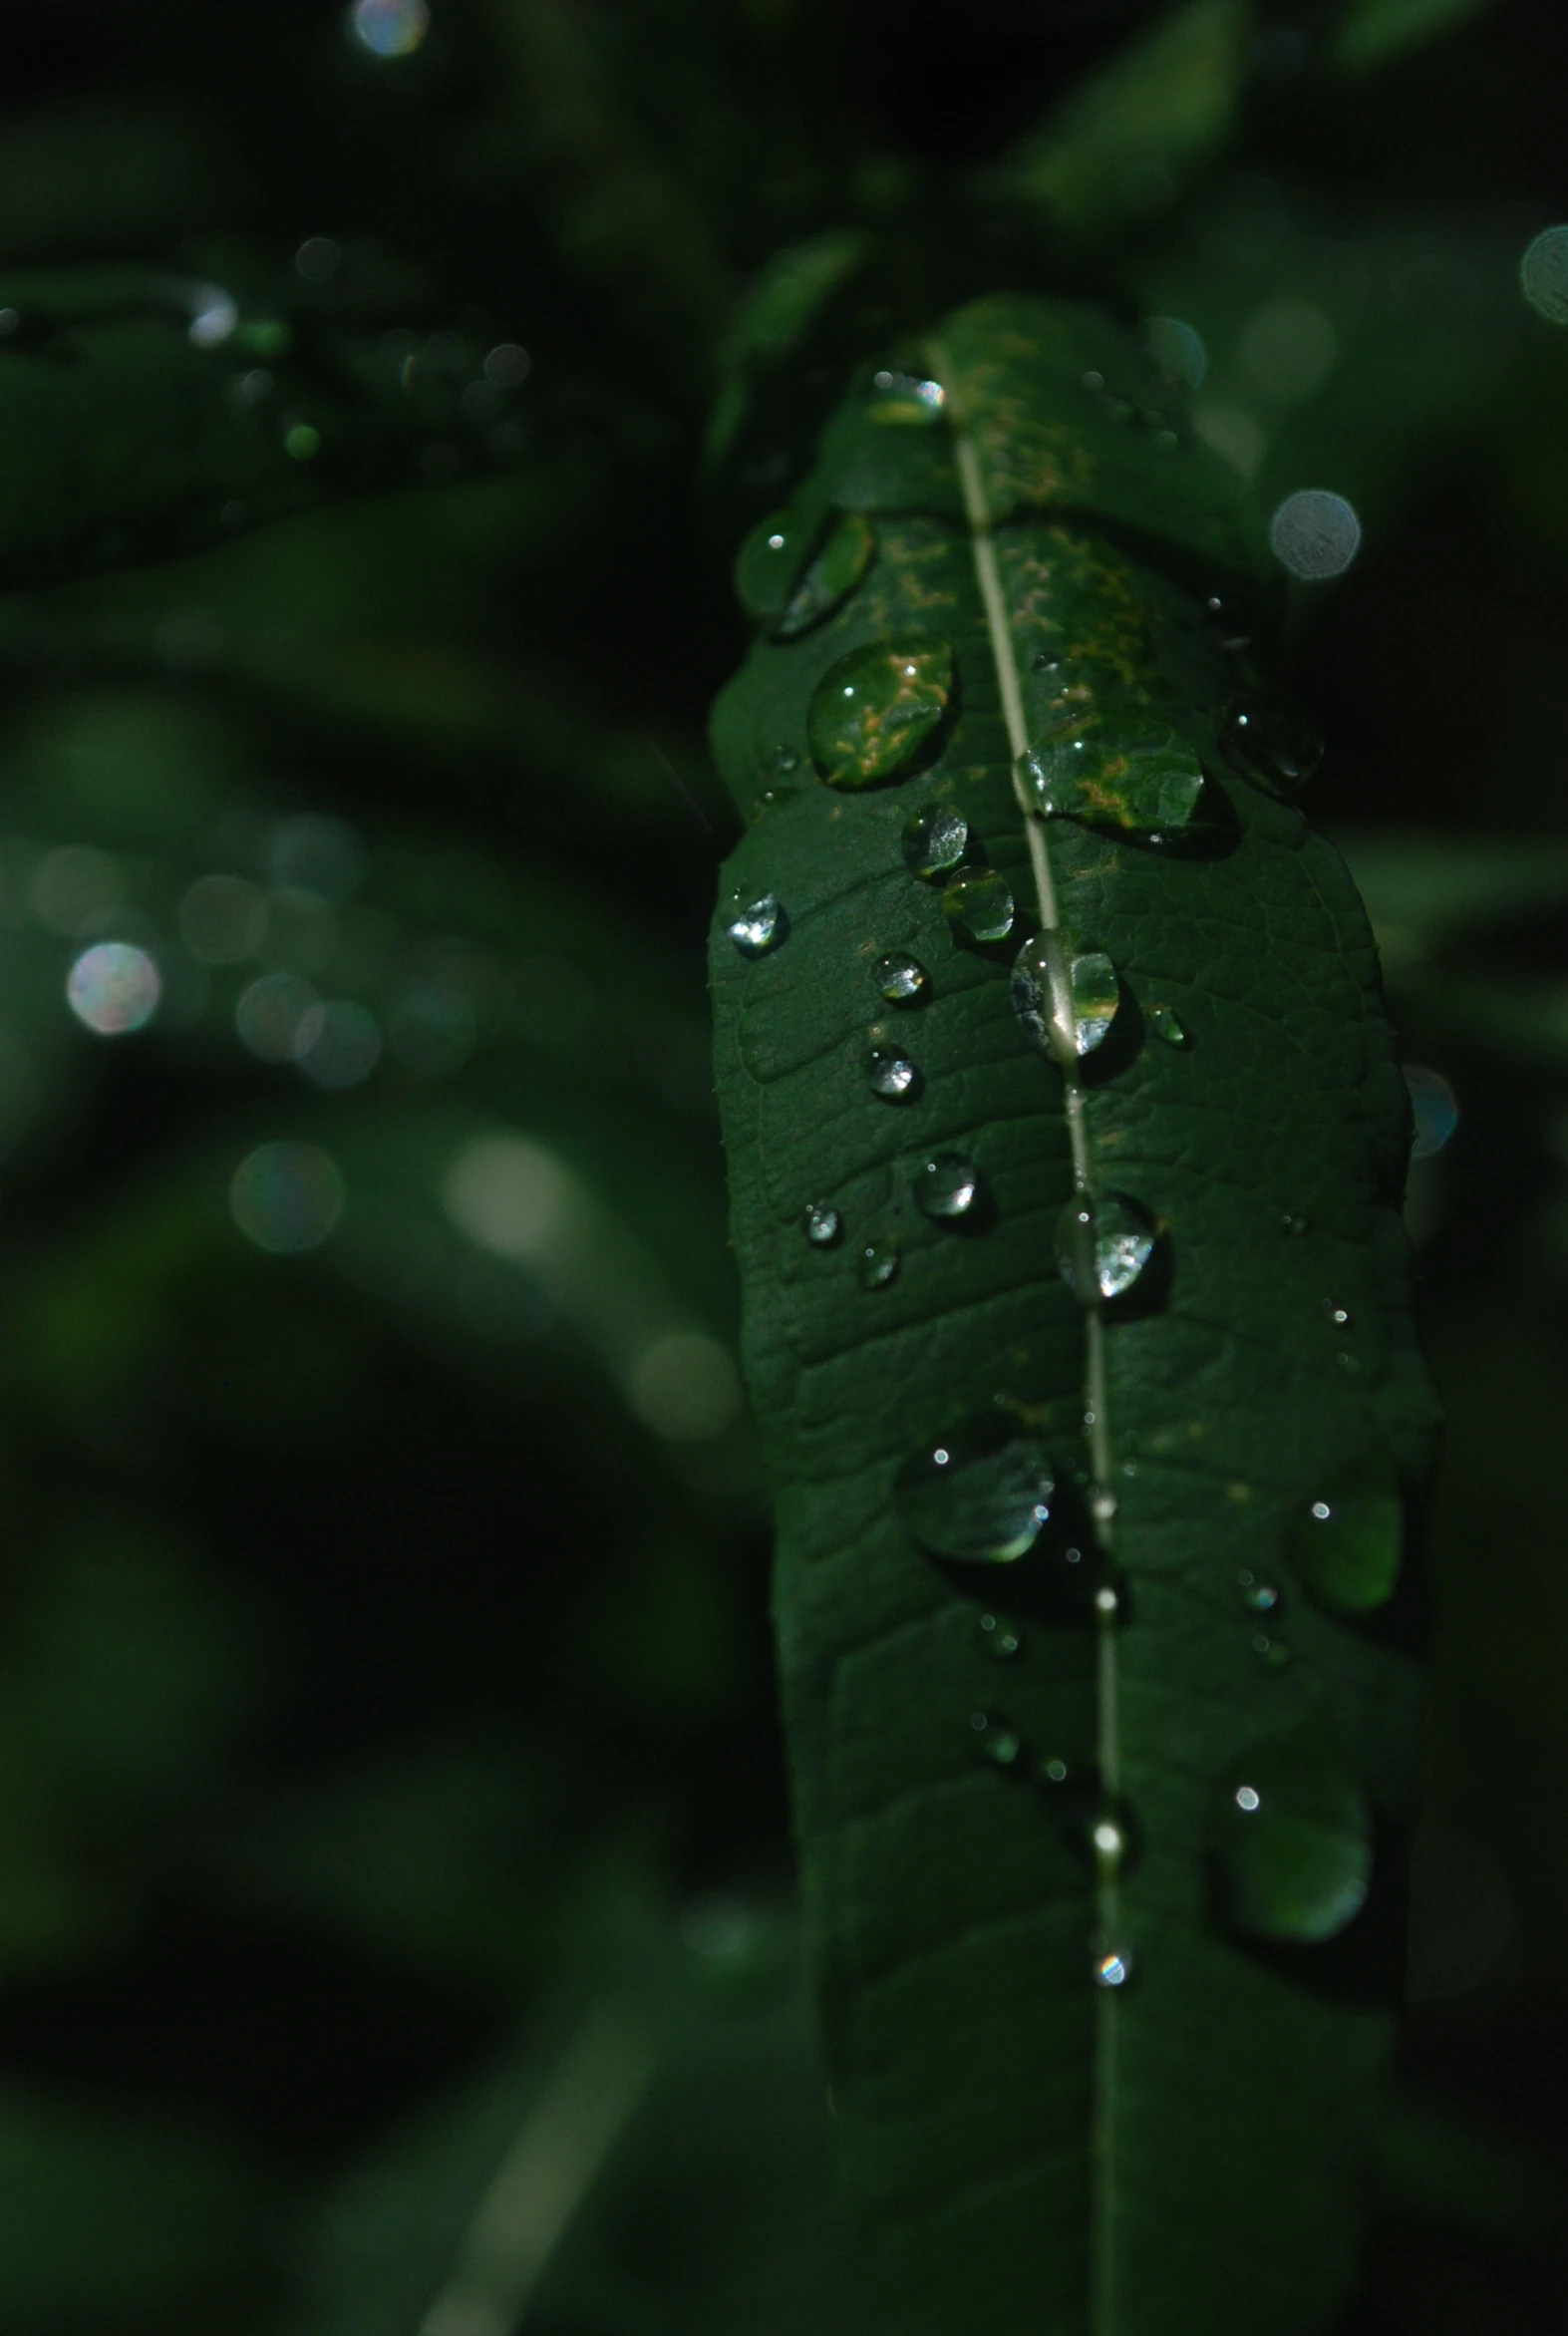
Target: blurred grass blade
[
  {"x": 1373, "y": 32},
  {"x": 1071, "y": 1316}
]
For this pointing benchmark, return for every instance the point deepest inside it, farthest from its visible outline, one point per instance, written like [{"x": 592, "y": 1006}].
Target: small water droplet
[
  {"x": 759, "y": 926},
  {"x": 905, "y": 400},
  {"x": 1168, "y": 1024},
  {"x": 879, "y": 1262},
  {"x": 946, "y": 1186},
  {"x": 995, "y": 1741},
  {"x": 1102, "y": 1246},
  {"x": 1229, "y": 630},
  {"x": 1292, "y": 1841},
  {"x": 977, "y": 904},
  {"x": 892, "y": 1075},
  {"x": 902, "y": 980},
  {"x": 1111, "y": 1963},
  {"x": 981, "y": 1493},
  {"x": 935, "y": 841},
  {"x": 873, "y": 710},
  {"x": 1271, "y": 740},
  {"x": 998, "y": 1638},
  {"x": 1259, "y": 1597},
  {"x": 821, "y": 1226},
  {"x": 1436, "y": 1108},
  {"x": 1347, "y": 1547},
  {"x": 1065, "y": 997}
]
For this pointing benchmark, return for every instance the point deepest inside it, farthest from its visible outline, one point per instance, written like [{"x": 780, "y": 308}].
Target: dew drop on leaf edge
[
  {"x": 1291, "y": 1836},
  {"x": 761, "y": 926},
  {"x": 1347, "y": 1547},
  {"x": 980, "y": 1493}
]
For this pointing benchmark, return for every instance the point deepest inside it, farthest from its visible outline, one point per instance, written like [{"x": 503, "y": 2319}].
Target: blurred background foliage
[{"x": 395, "y": 1892}]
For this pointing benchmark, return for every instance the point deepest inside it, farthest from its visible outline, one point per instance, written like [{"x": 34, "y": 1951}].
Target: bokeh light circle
[
  {"x": 113, "y": 988},
  {"x": 389, "y": 28},
  {"x": 286, "y": 1196},
  {"x": 1315, "y": 533},
  {"x": 1543, "y": 275}
]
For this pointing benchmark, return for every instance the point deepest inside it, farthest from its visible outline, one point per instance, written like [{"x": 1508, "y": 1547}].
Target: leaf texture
[{"x": 1105, "y": 2034}]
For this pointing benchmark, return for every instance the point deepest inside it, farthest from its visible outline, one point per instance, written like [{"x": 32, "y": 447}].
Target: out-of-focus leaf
[
  {"x": 1372, "y": 32},
  {"x": 1213, "y": 1150},
  {"x": 1423, "y": 891}
]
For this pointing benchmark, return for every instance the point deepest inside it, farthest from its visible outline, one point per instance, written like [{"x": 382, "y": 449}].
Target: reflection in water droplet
[
  {"x": 905, "y": 399},
  {"x": 1271, "y": 739},
  {"x": 389, "y": 28},
  {"x": 977, "y": 904},
  {"x": 1347, "y": 1547},
  {"x": 761, "y": 926},
  {"x": 981, "y": 1493},
  {"x": 1111, "y": 1963},
  {"x": 873, "y": 710},
  {"x": 822, "y": 1227},
  {"x": 1000, "y": 1639},
  {"x": 892, "y": 1076},
  {"x": 1543, "y": 275},
  {"x": 286, "y": 1196},
  {"x": 1436, "y": 1108},
  {"x": 1292, "y": 1841},
  {"x": 1315, "y": 535},
  {"x": 1168, "y": 1024},
  {"x": 935, "y": 841},
  {"x": 1135, "y": 782},
  {"x": 879, "y": 1262},
  {"x": 995, "y": 1741},
  {"x": 903, "y": 981},
  {"x": 114, "y": 989},
  {"x": 1102, "y": 1246},
  {"x": 946, "y": 1186},
  {"x": 1065, "y": 998}
]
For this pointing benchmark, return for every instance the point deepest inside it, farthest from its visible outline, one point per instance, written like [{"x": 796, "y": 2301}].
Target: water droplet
[
  {"x": 1102, "y": 1246},
  {"x": 759, "y": 926},
  {"x": 1136, "y": 782},
  {"x": 113, "y": 988},
  {"x": 1065, "y": 997},
  {"x": 903, "y": 981},
  {"x": 1000, "y": 1639},
  {"x": 905, "y": 399},
  {"x": 892, "y": 1075},
  {"x": 1227, "y": 629},
  {"x": 789, "y": 575},
  {"x": 1347, "y": 1547},
  {"x": 1315, "y": 533},
  {"x": 1436, "y": 1108},
  {"x": 1168, "y": 1024},
  {"x": 873, "y": 711},
  {"x": 1271, "y": 739},
  {"x": 769, "y": 562},
  {"x": 1111, "y": 1963},
  {"x": 879, "y": 1262},
  {"x": 821, "y": 1226},
  {"x": 995, "y": 1741},
  {"x": 935, "y": 841},
  {"x": 977, "y": 904},
  {"x": 946, "y": 1186},
  {"x": 981, "y": 1493},
  {"x": 1292, "y": 1841},
  {"x": 1259, "y": 1597}
]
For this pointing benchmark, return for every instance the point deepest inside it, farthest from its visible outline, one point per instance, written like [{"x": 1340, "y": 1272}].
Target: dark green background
[{"x": 386, "y": 1707}]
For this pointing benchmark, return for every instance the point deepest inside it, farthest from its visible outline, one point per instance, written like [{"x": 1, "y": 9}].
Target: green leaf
[
  {"x": 1371, "y": 32},
  {"x": 1039, "y": 1612}
]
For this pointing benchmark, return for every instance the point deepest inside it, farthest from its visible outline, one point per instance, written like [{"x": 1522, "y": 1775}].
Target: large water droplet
[
  {"x": 1292, "y": 1839},
  {"x": 1144, "y": 784},
  {"x": 946, "y": 1186},
  {"x": 995, "y": 1741},
  {"x": 769, "y": 562},
  {"x": 874, "y": 710},
  {"x": 1348, "y": 1547},
  {"x": 1102, "y": 1246},
  {"x": 1065, "y": 997},
  {"x": 830, "y": 578},
  {"x": 977, "y": 904},
  {"x": 902, "y": 980},
  {"x": 1000, "y": 1639},
  {"x": 935, "y": 841},
  {"x": 759, "y": 926},
  {"x": 1110, "y": 1963},
  {"x": 905, "y": 399},
  {"x": 892, "y": 1075},
  {"x": 821, "y": 1226},
  {"x": 1271, "y": 739},
  {"x": 982, "y": 1493},
  {"x": 879, "y": 1262}
]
